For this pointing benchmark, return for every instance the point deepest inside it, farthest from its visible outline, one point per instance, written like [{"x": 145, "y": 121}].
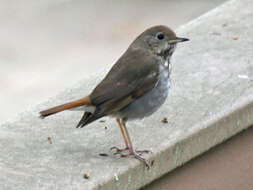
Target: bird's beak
[{"x": 177, "y": 40}]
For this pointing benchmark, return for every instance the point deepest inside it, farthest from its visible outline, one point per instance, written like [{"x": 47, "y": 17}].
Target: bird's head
[{"x": 161, "y": 40}]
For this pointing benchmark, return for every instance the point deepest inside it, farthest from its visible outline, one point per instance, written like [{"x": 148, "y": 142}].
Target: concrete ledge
[{"x": 211, "y": 100}]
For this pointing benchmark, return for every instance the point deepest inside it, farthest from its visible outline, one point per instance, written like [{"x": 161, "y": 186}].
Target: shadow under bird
[{"x": 135, "y": 87}]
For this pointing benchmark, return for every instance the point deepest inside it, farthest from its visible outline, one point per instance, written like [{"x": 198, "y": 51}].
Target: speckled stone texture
[{"x": 211, "y": 99}]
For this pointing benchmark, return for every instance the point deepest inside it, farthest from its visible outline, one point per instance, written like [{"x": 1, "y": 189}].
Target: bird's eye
[{"x": 160, "y": 36}]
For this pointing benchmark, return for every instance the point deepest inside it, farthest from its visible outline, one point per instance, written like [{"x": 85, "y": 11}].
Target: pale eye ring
[{"x": 160, "y": 36}]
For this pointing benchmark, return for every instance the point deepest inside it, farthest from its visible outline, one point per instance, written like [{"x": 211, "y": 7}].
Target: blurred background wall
[{"x": 48, "y": 45}]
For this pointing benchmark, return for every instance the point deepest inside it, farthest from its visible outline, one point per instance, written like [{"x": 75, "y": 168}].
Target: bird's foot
[
  {"x": 119, "y": 150},
  {"x": 137, "y": 154}
]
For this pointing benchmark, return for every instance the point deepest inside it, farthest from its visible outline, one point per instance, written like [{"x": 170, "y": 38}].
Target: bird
[{"x": 134, "y": 88}]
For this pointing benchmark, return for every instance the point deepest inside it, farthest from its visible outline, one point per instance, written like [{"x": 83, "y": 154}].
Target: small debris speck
[
  {"x": 224, "y": 25},
  {"x": 116, "y": 178},
  {"x": 86, "y": 176},
  {"x": 103, "y": 154},
  {"x": 165, "y": 120},
  {"x": 152, "y": 162},
  {"x": 101, "y": 121},
  {"x": 235, "y": 37},
  {"x": 50, "y": 140},
  {"x": 105, "y": 128}
]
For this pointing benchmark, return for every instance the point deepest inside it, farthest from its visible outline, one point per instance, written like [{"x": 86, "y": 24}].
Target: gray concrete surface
[
  {"x": 46, "y": 46},
  {"x": 210, "y": 101},
  {"x": 227, "y": 166}
]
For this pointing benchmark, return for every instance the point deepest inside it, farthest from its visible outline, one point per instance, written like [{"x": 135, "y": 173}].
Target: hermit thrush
[{"x": 135, "y": 87}]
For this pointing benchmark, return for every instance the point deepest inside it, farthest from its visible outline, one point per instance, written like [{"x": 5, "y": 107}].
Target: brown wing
[{"x": 135, "y": 73}]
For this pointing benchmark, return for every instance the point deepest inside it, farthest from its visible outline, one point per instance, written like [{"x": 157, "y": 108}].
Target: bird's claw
[
  {"x": 142, "y": 151},
  {"x": 137, "y": 154},
  {"x": 119, "y": 150}
]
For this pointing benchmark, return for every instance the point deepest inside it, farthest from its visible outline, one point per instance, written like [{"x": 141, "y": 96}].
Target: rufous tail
[{"x": 69, "y": 105}]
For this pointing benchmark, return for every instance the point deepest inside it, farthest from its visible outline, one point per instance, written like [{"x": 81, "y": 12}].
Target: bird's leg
[
  {"x": 131, "y": 150},
  {"x": 119, "y": 150}
]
